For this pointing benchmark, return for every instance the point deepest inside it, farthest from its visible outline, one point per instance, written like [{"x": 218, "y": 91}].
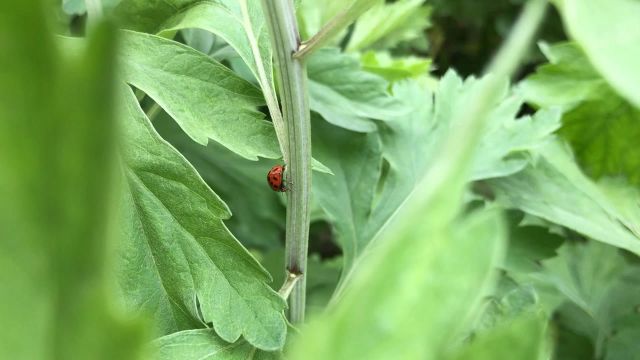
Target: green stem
[
  {"x": 292, "y": 79},
  {"x": 333, "y": 27}
]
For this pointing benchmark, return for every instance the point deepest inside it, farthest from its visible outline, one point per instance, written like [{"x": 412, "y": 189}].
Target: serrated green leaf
[
  {"x": 388, "y": 24},
  {"x": 609, "y": 33},
  {"x": 57, "y": 137},
  {"x": 601, "y": 127},
  {"x": 240, "y": 23},
  {"x": 347, "y": 96},
  {"x": 409, "y": 145},
  {"x": 521, "y": 339},
  {"x": 258, "y": 214},
  {"x": 436, "y": 271},
  {"x": 554, "y": 189},
  {"x": 208, "y": 100},
  {"x": 205, "y": 344},
  {"x": 180, "y": 262}
]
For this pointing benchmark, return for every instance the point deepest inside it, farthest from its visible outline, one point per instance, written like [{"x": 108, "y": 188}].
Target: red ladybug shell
[{"x": 275, "y": 178}]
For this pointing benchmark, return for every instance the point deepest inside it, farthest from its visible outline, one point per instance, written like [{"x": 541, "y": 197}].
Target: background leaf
[
  {"x": 554, "y": 189},
  {"x": 609, "y": 33},
  {"x": 345, "y": 95},
  {"x": 601, "y": 127},
  {"x": 179, "y": 261},
  {"x": 394, "y": 160}
]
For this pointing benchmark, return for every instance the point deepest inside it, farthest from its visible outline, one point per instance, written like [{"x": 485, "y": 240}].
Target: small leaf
[{"x": 179, "y": 261}]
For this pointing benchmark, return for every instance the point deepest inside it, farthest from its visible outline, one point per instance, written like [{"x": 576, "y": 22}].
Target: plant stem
[
  {"x": 292, "y": 78},
  {"x": 266, "y": 86},
  {"x": 333, "y": 27}
]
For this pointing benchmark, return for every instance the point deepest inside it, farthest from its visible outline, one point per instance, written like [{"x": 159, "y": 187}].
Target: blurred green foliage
[
  {"x": 400, "y": 267},
  {"x": 57, "y": 184}
]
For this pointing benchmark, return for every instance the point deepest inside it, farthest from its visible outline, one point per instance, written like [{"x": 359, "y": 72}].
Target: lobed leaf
[
  {"x": 394, "y": 160},
  {"x": 179, "y": 261},
  {"x": 207, "y": 99}
]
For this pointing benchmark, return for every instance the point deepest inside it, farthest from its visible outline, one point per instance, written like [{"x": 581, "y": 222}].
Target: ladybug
[{"x": 275, "y": 178}]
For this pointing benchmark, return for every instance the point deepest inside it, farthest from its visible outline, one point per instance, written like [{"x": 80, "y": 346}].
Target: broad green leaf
[
  {"x": 207, "y": 99},
  {"x": 388, "y": 24},
  {"x": 521, "y": 339},
  {"x": 57, "y": 137},
  {"x": 609, "y": 33},
  {"x": 258, "y": 214},
  {"x": 408, "y": 147},
  {"x": 554, "y": 189},
  {"x": 180, "y": 263},
  {"x": 394, "y": 69},
  {"x": 205, "y": 344},
  {"x": 399, "y": 303},
  {"x": 347, "y": 96},
  {"x": 601, "y": 127},
  {"x": 240, "y": 23}
]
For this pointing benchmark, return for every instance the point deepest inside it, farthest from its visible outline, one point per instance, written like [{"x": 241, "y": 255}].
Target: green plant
[{"x": 426, "y": 217}]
